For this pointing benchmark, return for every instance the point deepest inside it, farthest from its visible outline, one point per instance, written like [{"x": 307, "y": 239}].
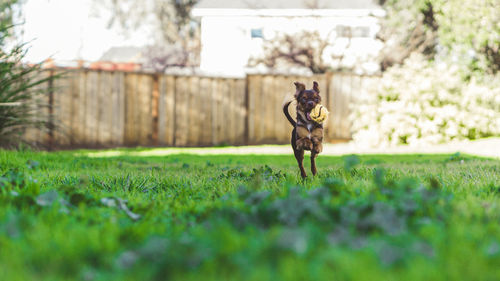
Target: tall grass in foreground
[{"x": 185, "y": 217}]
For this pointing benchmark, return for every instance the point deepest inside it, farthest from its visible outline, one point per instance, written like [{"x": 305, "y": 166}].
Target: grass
[{"x": 67, "y": 216}]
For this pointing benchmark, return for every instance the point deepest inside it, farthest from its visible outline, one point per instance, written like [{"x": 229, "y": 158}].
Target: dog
[{"x": 306, "y": 134}]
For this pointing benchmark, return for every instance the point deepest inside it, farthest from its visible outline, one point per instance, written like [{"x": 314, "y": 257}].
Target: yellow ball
[{"x": 319, "y": 114}]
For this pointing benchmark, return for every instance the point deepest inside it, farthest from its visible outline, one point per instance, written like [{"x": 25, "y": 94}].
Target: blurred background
[{"x": 115, "y": 73}]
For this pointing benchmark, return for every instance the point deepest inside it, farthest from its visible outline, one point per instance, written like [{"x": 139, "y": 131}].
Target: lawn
[{"x": 68, "y": 216}]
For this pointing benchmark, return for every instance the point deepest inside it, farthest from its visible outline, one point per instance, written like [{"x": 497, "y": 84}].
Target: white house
[{"x": 232, "y": 31}]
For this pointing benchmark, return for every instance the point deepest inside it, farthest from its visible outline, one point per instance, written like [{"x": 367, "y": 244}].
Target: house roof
[
  {"x": 287, "y": 4},
  {"x": 123, "y": 54}
]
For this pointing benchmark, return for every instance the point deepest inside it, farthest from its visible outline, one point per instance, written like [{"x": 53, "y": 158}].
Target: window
[
  {"x": 343, "y": 31},
  {"x": 350, "y": 31},
  {"x": 361, "y": 31},
  {"x": 256, "y": 33}
]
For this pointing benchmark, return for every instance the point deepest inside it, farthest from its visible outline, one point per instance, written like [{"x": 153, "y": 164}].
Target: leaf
[
  {"x": 47, "y": 199},
  {"x": 123, "y": 205},
  {"x": 108, "y": 202},
  {"x": 351, "y": 161},
  {"x": 120, "y": 204},
  {"x": 31, "y": 164},
  {"x": 78, "y": 198}
]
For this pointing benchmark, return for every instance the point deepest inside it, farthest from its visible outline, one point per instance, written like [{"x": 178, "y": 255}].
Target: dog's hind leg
[
  {"x": 314, "y": 171},
  {"x": 299, "y": 153}
]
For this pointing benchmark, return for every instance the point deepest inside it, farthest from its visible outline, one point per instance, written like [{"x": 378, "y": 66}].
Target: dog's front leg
[
  {"x": 317, "y": 140},
  {"x": 303, "y": 139}
]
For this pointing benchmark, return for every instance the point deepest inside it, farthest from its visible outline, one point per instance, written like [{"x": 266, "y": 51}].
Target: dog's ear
[
  {"x": 299, "y": 87},
  {"x": 316, "y": 87}
]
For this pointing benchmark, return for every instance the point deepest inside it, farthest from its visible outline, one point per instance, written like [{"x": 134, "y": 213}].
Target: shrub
[
  {"x": 20, "y": 102},
  {"x": 427, "y": 102}
]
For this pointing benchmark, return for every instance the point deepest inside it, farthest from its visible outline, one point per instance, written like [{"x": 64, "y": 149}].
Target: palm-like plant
[{"x": 21, "y": 88}]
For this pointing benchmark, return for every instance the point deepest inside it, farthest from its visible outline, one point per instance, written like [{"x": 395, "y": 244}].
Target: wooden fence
[{"x": 108, "y": 109}]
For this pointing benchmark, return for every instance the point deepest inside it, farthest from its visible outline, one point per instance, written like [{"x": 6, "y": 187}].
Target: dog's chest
[{"x": 309, "y": 127}]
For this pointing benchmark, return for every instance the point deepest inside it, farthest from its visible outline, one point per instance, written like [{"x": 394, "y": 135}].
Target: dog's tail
[{"x": 287, "y": 114}]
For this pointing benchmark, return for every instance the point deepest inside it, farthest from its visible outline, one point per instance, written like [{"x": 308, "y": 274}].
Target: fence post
[
  {"x": 51, "y": 109},
  {"x": 247, "y": 109},
  {"x": 154, "y": 111}
]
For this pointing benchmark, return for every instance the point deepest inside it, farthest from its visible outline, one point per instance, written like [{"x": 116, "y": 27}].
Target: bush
[
  {"x": 19, "y": 92},
  {"x": 427, "y": 102}
]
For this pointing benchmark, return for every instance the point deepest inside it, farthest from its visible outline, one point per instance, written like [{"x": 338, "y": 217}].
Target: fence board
[
  {"x": 181, "y": 108},
  {"x": 240, "y": 114},
  {"x": 286, "y": 89},
  {"x": 254, "y": 118},
  {"x": 221, "y": 118},
  {"x": 118, "y": 108},
  {"x": 166, "y": 110},
  {"x": 229, "y": 104},
  {"x": 145, "y": 109},
  {"x": 205, "y": 96},
  {"x": 91, "y": 108},
  {"x": 194, "y": 107},
  {"x": 346, "y": 96},
  {"x": 104, "y": 102},
  {"x": 39, "y": 111},
  {"x": 130, "y": 84}
]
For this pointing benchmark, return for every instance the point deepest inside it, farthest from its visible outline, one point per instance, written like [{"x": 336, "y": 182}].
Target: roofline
[{"x": 224, "y": 12}]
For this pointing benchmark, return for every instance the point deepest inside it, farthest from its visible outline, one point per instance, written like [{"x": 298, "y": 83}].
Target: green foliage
[
  {"x": 64, "y": 216},
  {"x": 6, "y": 19},
  {"x": 425, "y": 102},
  {"x": 474, "y": 35},
  {"x": 470, "y": 38},
  {"x": 20, "y": 90}
]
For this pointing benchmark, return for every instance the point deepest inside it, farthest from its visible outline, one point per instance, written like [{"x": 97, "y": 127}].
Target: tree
[
  {"x": 465, "y": 29},
  {"x": 410, "y": 26},
  {"x": 296, "y": 49},
  {"x": 7, "y": 14},
  {"x": 470, "y": 30},
  {"x": 172, "y": 27},
  {"x": 306, "y": 49}
]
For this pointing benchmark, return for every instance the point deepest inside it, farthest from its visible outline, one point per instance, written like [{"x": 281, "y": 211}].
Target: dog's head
[{"x": 307, "y": 99}]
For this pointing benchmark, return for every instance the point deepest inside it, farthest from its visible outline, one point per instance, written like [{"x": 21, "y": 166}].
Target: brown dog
[{"x": 306, "y": 134}]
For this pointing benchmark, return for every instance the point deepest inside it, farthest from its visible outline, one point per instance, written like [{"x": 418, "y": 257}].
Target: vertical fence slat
[
  {"x": 335, "y": 106},
  {"x": 284, "y": 86},
  {"x": 59, "y": 110},
  {"x": 229, "y": 106},
  {"x": 80, "y": 137},
  {"x": 240, "y": 113},
  {"x": 193, "y": 111},
  {"x": 346, "y": 94},
  {"x": 221, "y": 121},
  {"x": 104, "y": 108},
  {"x": 166, "y": 110},
  {"x": 130, "y": 104},
  {"x": 91, "y": 106},
  {"x": 205, "y": 113},
  {"x": 255, "y": 109},
  {"x": 145, "y": 109},
  {"x": 118, "y": 108},
  {"x": 213, "y": 104},
  {"x": 181, "y": 107}
]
